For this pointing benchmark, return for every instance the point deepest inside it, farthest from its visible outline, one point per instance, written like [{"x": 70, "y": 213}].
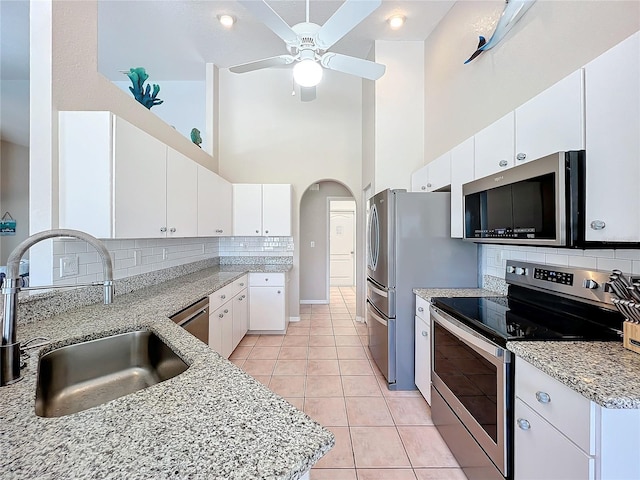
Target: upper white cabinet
[
  {"x": 612, "y": 96},
  {"x": 214, "y": 204},
  {"x": 462, "y": 171},
  {"x": 182, "y": 195},
  {"x": 432, "y": 176},
  {"x": 552, "y": 121},
  {"x": 494, "y": 147},
  {"x": 262, "y": 210}
]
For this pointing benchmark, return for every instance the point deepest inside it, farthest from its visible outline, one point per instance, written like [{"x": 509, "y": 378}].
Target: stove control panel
[{"x": 554, "y": 276}]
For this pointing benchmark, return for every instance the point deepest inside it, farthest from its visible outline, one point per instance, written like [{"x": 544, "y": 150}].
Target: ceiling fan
[{"x": 308, "y": 43}]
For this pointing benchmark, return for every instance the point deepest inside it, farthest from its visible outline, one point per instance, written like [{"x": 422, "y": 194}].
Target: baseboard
[
  {"x": 294, "y": 319},
  {"x": 360, "y": 319},
  {"x": 314, "y": 302}
]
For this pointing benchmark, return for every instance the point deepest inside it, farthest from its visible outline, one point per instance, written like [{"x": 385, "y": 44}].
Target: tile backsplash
[
  {"x": 252, "y": 246},
  {"x": 494, "y": 258}
]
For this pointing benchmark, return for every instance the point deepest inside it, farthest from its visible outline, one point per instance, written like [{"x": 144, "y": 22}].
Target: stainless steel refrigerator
[{"x": 409, "y": 246}]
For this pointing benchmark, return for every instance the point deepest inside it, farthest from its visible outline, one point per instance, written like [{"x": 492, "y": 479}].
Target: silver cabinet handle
[
  {"x": 597, "y": 225},
  {"x": 266, "y": 231},
  {"x": 242, "y": 284},
  {"x": 420, "y": 309},
  {"x": 163, "y": 229},
  {"x": 523, "y": 424},
  {"x": 521, "y": 156},
  {"x": 543, "y": 397},
  {"x": 223, "y": 297},
  {"x": 278, "y": 291},
  {"x": 218, "y": 230},
  {"x": 173, "y": 229},
  {"x": 226, "y": 311},
  {"x": 221, "y": 315},
  {"x": 423, "y": 187},
  {"x": 428, "y": 185},
  {"x": 266, "y": 279},
  {"x": 503, "y": 163},
  {"x": 257, "y": 231},
  {"x": 424, "y": 333}
]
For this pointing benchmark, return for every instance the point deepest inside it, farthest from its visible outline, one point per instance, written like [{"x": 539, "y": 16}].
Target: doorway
[{"x": 342, "y": 243}]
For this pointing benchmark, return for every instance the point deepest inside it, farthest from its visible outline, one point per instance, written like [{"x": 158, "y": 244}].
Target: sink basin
[{"x": 87, "y": 374}]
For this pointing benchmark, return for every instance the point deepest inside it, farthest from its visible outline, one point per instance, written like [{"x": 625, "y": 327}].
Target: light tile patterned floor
[{"x": 322, "y": 366}]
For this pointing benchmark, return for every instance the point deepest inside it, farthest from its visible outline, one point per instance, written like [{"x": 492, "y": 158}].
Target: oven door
[{"x": 473, "y": 376}]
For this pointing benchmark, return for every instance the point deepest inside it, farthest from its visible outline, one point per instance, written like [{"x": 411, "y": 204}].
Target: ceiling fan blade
[
  {"x": 353, "y": 66},
  {"x": 263, "y": 12},
  {"x": 278, "y": 61},
  {"x": 307, "y": 94},
  {"x": 350, "y": 14}
]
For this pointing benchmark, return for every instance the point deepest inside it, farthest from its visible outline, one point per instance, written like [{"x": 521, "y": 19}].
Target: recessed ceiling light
[
  {"x": 227, "y": 21},
  {"x": 396, "y": 21}
]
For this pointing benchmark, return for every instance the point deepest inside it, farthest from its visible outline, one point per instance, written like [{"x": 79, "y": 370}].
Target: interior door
[{"x": 342, "y": 248}]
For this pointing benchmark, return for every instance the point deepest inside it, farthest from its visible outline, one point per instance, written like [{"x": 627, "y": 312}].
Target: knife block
[{"x": 631, "y": 333}]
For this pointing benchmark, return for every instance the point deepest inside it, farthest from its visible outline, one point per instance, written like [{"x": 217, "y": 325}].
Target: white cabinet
[
  {"x": 552, "y": 121},
  {"x": 268, "y": 306},
  {"x": 240, "y": 315},
  {"x": 228, "y": 317},
  {"x": 462, "y": 171},
  {"x": 494, "y": 147},
  {"x": 575, "y": 438},
  {"x": 612, "y": 97},
  {"x": 423, "y": 348},
  {"x": 117, "y": 181},
  {"x": 262, "y": 210},
  {"x": 221, "y": 329},
  {"x": 433, "y": 176},
  {"x": 214, "y": 204}
]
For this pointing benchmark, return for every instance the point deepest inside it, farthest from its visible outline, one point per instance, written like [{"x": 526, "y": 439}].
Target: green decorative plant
[
  {"x": 195, "y": 137},
  {"x": 141, "y": 93}
]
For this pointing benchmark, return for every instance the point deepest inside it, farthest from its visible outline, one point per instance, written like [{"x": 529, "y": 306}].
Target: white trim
[
  {"x": 314, "y": 302},
  {"x": 294, "y": 319},
  {"x": 360, "y": 319}
]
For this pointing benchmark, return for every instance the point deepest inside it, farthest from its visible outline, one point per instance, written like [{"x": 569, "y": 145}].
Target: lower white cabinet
[
  {"x": 240, "y": 316},
  {"x": 268, "y": 304},
  {"x": 228, "y": 317},
  {"x": 423, "y": 349},
  {"x": 221, "y": 329}
]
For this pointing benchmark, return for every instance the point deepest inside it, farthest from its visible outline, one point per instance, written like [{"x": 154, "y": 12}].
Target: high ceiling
[{"x": 173, "y": 39}]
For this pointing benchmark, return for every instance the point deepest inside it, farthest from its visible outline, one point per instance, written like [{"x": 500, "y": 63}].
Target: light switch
[
  {"x": 313, "y": 244},
  {"x": 68, "y": 265}
]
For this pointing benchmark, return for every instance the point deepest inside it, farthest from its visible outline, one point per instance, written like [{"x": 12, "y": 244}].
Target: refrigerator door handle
[{"x": 375, "y": 316}]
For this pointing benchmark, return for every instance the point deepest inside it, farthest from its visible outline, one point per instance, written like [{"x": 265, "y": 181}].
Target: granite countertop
[
  {"x": 429, "y": 293},
  {"x": 604, "y": 372},
  {"x": 212, "y": 421}
]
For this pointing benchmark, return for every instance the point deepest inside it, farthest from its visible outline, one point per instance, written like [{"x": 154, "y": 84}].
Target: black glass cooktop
[{"x": 505, "y": 319}]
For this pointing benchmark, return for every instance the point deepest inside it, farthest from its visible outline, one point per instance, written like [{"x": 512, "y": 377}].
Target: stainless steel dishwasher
[{"x": 195, "y": 319}]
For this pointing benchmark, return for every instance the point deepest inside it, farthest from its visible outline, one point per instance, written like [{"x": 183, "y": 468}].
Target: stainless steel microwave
[{"x": 538, "y": 203}]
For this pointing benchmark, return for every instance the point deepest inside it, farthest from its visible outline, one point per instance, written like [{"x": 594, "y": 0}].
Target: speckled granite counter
[
  {"x": 604, "y": 372},
  {"x": 429, "y": 293},
  {"x": 212, "y": 421}
]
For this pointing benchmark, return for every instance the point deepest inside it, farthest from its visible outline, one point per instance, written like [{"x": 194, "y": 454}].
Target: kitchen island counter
[{"x": 212, "y": 421}]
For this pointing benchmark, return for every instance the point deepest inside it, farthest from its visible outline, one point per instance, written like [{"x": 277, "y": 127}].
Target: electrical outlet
[
  {"x": 137, "y": 257},
  {"x": 69, "y": 266},
  {"x": 165, "y": 254},
  {"x": 203, "y": 249}
]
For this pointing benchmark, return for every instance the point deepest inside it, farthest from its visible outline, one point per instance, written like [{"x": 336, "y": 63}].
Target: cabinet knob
[
  {"x": 266, "y": 279},
  {"x": 523, "y": 424},
  {"x": 173, "y": 229},
  {"x": 278, "y": 291},
  {"x": 420, "y": 309},
  {"x": 597, "y": 225},
  {"x": 428, "y": 185},
  {"x": 242, "y": 284},
  {"x": 218, "y": 230},
  {"x": 226, "y": 311},
  {"x": 257, "y": 231},
  {"x": 503, "y": 163},
  {"x": 266, "y": 231},
  {"x": 163, "y": 229},
  {"x": 424, "y": 333},
  {"x": 543, "y": 397},
  {"x": 423, "y": 187},
  {"x": 223, "y": 297},
  {"x": 521, "y": 156},
  {"x": 221, "y": 315}
]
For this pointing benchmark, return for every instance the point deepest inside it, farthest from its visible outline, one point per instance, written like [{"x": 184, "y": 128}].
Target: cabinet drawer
[
  {"x": 240, "y": 284},
  {"x": 266, "y": 279},
  {"x": 422, "y": 308},
  {"x": 221, "y": 296},
  {"x": 541, "y": 452},
  {"x": 562, "y": 407}
]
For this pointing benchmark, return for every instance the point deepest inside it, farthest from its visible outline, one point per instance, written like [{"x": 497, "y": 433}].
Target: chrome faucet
[{"x": 10, "y": 349}]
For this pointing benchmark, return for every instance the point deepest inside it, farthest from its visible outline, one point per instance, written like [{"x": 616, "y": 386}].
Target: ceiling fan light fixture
[
  {"x": 226, "y": 21},
  {"x": 307, "y": 73},
  {"x": 396, "y": 21}
]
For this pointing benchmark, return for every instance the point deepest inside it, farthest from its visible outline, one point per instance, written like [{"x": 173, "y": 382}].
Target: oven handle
[
  {"x": 469, "y": 336},
  {"x": 372, "y": 311}
]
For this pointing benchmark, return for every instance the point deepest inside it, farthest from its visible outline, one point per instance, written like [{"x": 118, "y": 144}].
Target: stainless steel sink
[{"x": 87, "y": 374}]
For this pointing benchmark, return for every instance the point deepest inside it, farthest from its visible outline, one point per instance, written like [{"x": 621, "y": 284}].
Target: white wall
[
  {"x": 269, "y": 136},
  {"x": 14, "y": 194},
  {"x": 552, "y": 40},
  {"x": 399, "y": 114}
]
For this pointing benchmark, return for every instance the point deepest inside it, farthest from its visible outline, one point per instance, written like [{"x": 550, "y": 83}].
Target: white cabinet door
[
  {"x": 612, "y": 97},
  {"x": 240, "y": 317},
  {"x": 423, "y": 358},
  {"x": 221, "y": 330},
  {"x": 214, "y": 204},
  {"x": 462, "y": 171},
  {"x": 276, "y": 210},
  {"x": 552, "y": 121},
  {"x": 267, "y": 308},
  {"x": 182, "y": 197},
  {"x": 140, "y": 183},
  {"x": 247, "y": 209},
  {"x": 494, "y": 147},
  {"x": 541, "y": 452},
  {"x": 419, "y": 179},
  {"x": 439, "y": 172}
]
